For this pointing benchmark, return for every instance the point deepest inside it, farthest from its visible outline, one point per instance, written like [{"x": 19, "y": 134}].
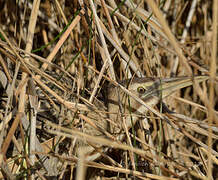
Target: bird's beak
[{"x": 164, "y": 87}]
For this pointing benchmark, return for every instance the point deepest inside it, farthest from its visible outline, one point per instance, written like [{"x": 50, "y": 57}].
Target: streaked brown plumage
[{"x": 150, "y": 90}]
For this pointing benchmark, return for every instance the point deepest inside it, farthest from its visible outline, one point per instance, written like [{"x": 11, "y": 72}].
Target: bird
[{"x": 128, "y": 100}]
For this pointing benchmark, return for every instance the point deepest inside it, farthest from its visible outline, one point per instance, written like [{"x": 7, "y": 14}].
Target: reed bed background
[{"x": 58, "y": 59}]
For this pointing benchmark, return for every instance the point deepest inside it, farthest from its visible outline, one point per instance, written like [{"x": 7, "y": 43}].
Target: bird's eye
[{"x": 140, "y": 90}]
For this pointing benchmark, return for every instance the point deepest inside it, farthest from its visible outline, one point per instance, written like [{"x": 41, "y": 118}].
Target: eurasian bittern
[{"x": 137, "y": 96}]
